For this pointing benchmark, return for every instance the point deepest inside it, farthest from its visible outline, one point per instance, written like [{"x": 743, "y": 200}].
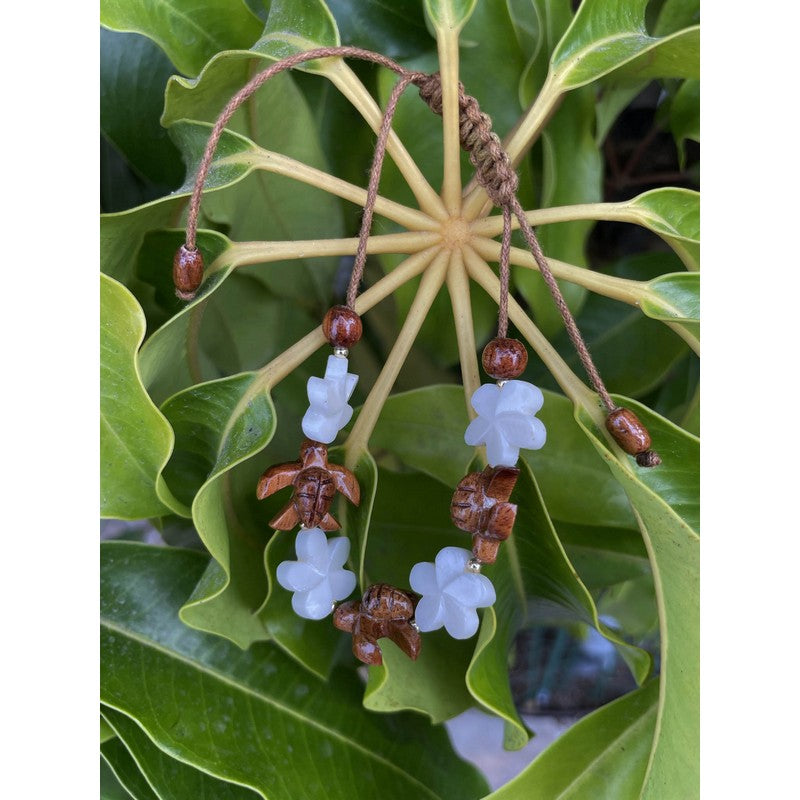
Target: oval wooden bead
[
  {"x": 504, "y": 359},
  {"x": 342, "y": 327},
  {"x": 628, "y": 431},
  {"x": 187, "y": 272}
]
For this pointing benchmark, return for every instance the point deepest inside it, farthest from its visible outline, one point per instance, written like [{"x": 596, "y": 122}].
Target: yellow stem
[
  {"x": 429, "y": 286},
  {"x": 622, "y": 289},
  {"x": 493, "y": 226},
  {"x": 242, "y": 253},
  {"x": 277, "y": 369},
  {"x": 517, "y": 143},
  {"x": 458, "y": 287},
  {"x": 283, "y": 165},
  {"x": 347, "y": 82},
  {"x": 572, "y": 385},
  {"x": 447, "y": 40}
]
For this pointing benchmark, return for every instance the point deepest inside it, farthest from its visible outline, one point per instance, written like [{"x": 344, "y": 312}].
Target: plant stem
[
  {"x": 572, "y": 385},
  {"x": 447, "y": 42},
  {"x": 458, "y": 288},
  {"x": 283, "y": 165},
  {"x": 518, "y": 142},
  {"x": 347, "y": 82},
  {"x": 429, "y": 286},
  {"x": 243, "y": 253},
  {"x": 273, "y": 373},
  {"x": 622, "y": 289}
]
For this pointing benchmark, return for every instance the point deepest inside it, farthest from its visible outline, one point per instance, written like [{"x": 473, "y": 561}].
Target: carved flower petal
[
  {"x": 461, "y": 622},
  {"x": 429, "y": 615},
  {"x": 499, "y": 452},
  {"x": 522, "y": 431},
  {"x": 338, "y": 550},
  {"x": 477, "y": 431},
  {"x": 450, "y": 563},
  {"x": 320, "y": 427},
  {"x": 485, "y": 398},
  {"x": 520, "y": 396},
  {"x": 342, "y": 582},
  {"x": 316, "y": 603},
  {"x": 311, "y": 546},
  {"x": 297, "y": 576},
  {"x": 423, "y": 578},
  {"x": 471, "y": 590},
  {"x": 318, "y": 390}
]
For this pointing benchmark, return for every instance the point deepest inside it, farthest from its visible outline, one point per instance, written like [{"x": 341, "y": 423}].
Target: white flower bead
[
  {"x": 450, "y": 593},
  {"x": 506, "y": 421},
  {"x": 329, "y": 411},
  {"x": 317, "y": 577}
]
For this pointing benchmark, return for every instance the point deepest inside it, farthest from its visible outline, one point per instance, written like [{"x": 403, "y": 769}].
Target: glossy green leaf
[
  {"x": 605, "y": 37},
  {"x": 126, "y": 771},
  {"x": 106, "y": 731},
  {"x": 297, "y": 25},
  {"x": 400, "y": 536},
  {"x": 110, "y": 787},
  {"x": 675, "y": 298},
  {"x": 684, "y": 116},
  {"x": 674, "y": 214},
  {"x": 218, "y": 425},
  {"x": 666, "y": 500},
  {"x": 133, "y": 75},
  {"x": 603, "y": 756},
  {"x": 261, "y": 722},
  {"x": 170, "y": 778},
  {"x": 449, "y": 13},
  {"x": 532, "y": 565},
  {"x": 395, "y": 29},
  {"x": 189, "y": 31},
  {"x": 677, "y": 14},
  {"x": 425, "y": 429},
  {"x": 135, "y": 439}
]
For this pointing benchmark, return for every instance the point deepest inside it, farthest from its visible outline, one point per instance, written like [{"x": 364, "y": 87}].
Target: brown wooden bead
[
  {"x": 384, "y": 612},
  {"x": 628, "y": 431},
  {"x": 187, "y": 272},
  {"x": 315, "y": 483},
  {"x": 504, "y": 359},
  {"x": 480, "y": 506},
  {"x": 342, "y": 326}
]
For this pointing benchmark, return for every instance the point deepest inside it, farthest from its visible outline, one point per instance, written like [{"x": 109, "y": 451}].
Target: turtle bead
[
  {"x": 187, "y": 272},
  {"x": 342, "y": 327},
  {"x": 504, "y": 359}
]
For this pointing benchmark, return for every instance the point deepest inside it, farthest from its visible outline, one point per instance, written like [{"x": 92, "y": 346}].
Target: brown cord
[{"x": 493, "y": 171}]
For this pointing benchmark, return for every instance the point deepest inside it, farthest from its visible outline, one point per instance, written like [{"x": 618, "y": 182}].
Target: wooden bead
[
  {"x": 187, "y": 272},
  {"x": 628, "y": 431},
  {"x": 504, "y": 359},
  {"x": 342, "y": 327}
]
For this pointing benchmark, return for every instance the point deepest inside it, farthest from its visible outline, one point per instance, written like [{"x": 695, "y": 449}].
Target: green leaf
[
  {"x": 251, "y": 717},
  {"x": 425, "y": 429},
  {"x": 126, "y": 771},
  {"x": 603, "y": 756},
  {"x": 219, "y": 425},
  {"x": 674, "y": 214},
  {"x": 677, "y": 14},
  {"x": 532, "y": 565},
  {"x": 133, "y": 75},
  {"x": 189, "y": 31},
  {"x": 605, "y": 37},
  {"x": 110, "y": 787},
  {"x": 449, "y": 13},
  {"x": 400, "y": 536},
  {"x": 170, "y": 778},
  {"x": 356, "y": 519},
  {"x": 675, "y": 298},
  {"x": 135, "y": 439},
  {"x": 297, "y": 25},
  {"x": 684, "y": 116},
  {"x": 666, "y": 501}
]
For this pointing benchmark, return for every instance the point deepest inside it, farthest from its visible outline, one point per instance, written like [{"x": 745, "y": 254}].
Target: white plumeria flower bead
[
  {"x": 317, "y": 578},
  {"x": 506, "y": 421},
  {"x": 450, "y": 593},
  {"x": 329, "y": 411}
]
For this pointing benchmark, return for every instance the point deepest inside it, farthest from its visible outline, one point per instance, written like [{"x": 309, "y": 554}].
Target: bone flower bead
[
  {"x": 506, "y": 421},
  {"x": 450, "y": 593},
  {"x": 329, "y": 410},
  {"x": 317, "y": 578}
]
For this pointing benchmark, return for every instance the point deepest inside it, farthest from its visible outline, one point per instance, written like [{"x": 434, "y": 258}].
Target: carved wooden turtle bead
[
  {"x": 342, "y": 327},
  {"x": 504, "y": 359}
]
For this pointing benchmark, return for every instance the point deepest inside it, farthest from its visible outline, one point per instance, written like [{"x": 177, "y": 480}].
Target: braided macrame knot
[{"x": 493, "y": 168}]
